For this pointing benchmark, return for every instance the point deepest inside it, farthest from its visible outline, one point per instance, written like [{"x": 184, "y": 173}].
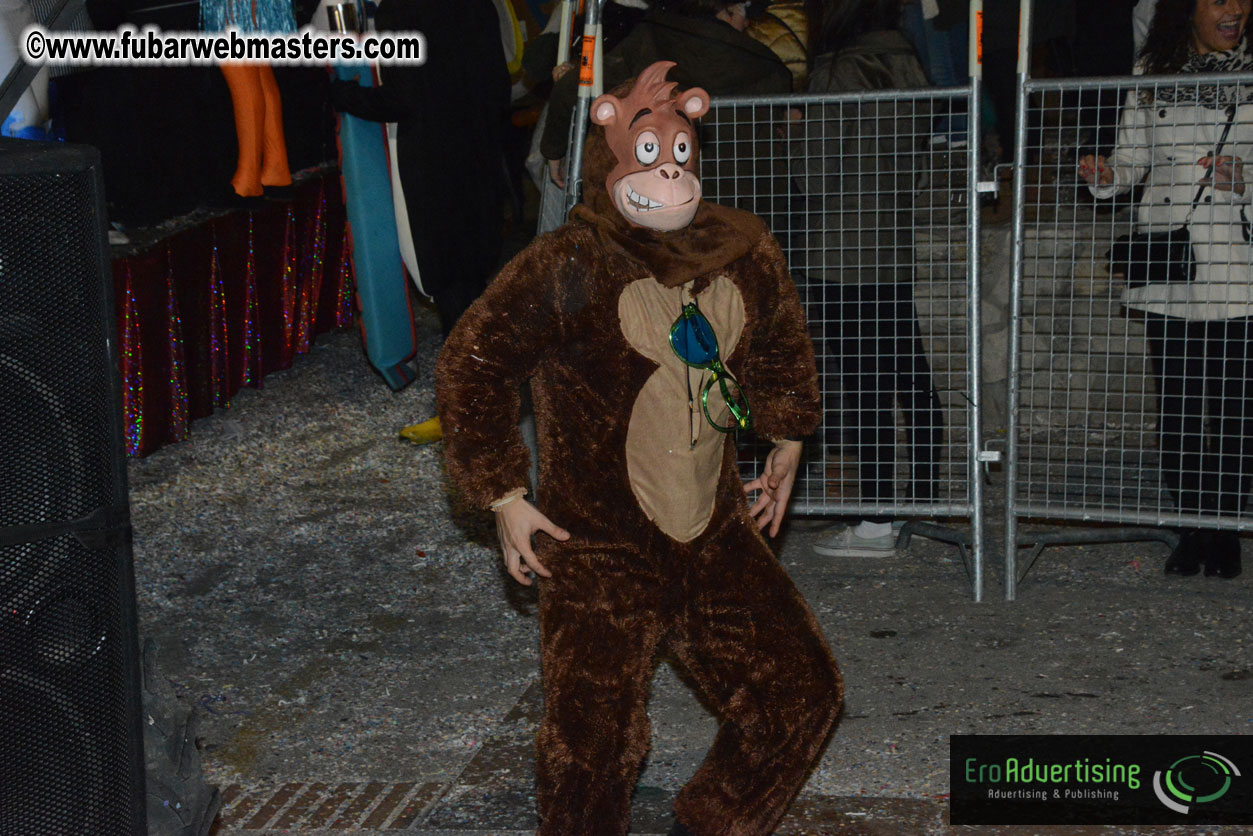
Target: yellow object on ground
[{"x": 424, "y": 433}]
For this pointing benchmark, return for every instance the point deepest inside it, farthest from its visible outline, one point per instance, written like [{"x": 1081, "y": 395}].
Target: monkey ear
[
  {"x": 693, "y": 102},
  {"x": 605, "y": 109}
]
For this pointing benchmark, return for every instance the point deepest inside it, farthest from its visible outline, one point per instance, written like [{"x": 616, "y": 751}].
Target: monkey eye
[
  {"x": 682, "y": 148},
  {"x": 647, "y": 148}
]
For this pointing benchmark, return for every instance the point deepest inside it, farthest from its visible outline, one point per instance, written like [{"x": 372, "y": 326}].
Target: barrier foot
[
  {"x": 963, "y": 541},
  {"x": 1040, "y": 539}
]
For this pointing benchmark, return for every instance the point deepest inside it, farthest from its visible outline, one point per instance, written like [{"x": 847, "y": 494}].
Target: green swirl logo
[{"x": 1194, "y": 779}]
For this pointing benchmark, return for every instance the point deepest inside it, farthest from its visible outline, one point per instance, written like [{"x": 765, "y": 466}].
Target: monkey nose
[{"x": 669, "y": 171}]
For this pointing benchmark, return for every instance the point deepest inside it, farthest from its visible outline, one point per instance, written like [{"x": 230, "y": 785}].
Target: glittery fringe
[
  {"x": 252, "y": 340},
  {"x": 311, "y": 273},
  {"x": 343, "y": 311},
  {"x": 174, "y": 340},
  {"x": 219, "y": 337},
  {"x": 247, "y": 15},
  {"x": 289, "y": 286},
  {"x": 132, "y": 362}
]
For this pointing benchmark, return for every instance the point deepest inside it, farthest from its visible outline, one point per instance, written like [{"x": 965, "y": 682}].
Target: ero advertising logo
[
  {"x": 1194, "y": 779},
  {"x": 1099, "y": 779}
]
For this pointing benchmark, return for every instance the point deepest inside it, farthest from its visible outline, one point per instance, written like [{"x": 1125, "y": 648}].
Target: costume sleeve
[
  {"x": 494, "y": 348},
  {"x": 778, "y": 373}
]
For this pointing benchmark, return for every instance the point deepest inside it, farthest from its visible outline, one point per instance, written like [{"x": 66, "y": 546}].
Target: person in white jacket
[{"x": 1188, "y": 143}]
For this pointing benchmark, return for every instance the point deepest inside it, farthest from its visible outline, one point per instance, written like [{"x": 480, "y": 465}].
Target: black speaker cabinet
[{"x": 71, "y": 747}]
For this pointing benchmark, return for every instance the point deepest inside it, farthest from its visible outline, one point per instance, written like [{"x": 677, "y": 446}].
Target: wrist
[{"x": 516, "y": 493}]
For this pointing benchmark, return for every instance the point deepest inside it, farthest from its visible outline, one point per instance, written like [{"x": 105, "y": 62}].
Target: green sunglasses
[{"x": 694, "y": 342}]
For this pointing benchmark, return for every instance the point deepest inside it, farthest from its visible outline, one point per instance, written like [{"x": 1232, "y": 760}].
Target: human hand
[
  {"x": 1094, "y": 171},
  {"x": 562, "y": 69},
  {"x": 775, "y": 484},
  {"x": 1228, "y": 173},
  {"x": 556, "y": 172},
  {"x": 516, "y": 522}
]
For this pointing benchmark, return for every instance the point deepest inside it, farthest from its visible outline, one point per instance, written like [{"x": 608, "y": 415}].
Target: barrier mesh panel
[
  {"x": 1135, "y": 358},
  {"x": 870, "y": 206}
]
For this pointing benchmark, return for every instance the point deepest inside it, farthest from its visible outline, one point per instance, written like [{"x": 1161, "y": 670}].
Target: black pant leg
[
  {"x": 920, "y": 403},
  {"x": 1230, "y": 406},
  {"x": 1176, "y": 349},
  {"x": 867, "y": 372}
]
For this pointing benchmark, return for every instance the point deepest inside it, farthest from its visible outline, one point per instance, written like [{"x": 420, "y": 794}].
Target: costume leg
[
  {"x": 274, "y": 168},
  {"x": 249, "y": 106},
  {"x": 752, "y": 647},
  {"x": 599, "y": 630}
]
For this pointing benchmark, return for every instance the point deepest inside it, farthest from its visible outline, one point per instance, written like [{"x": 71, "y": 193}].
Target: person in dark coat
[
  {"x": 705, "y": 38},
  {"x": 857, "y": 163},
  {"x": 451, "y": 114}
]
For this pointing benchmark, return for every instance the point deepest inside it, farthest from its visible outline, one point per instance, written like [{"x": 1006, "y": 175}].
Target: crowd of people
[
  {"x": 857, "y": 181},
  {"x": 1178, "y": 148},
  {"x": 859, "y": 165}
]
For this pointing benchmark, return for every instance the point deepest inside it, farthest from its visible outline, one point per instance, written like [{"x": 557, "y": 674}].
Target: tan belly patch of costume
[{"x": 674, "y": 479}]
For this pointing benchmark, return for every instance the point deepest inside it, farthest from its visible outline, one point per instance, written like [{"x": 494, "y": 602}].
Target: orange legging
[{"x": 259, "y": 128}]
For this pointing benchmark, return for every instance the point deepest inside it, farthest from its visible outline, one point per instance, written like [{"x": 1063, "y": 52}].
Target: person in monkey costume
[{"x": 650, "y": 325}]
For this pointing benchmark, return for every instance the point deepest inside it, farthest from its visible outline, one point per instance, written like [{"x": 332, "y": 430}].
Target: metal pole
[
  {"x": 589, "y": 64},
  {"x": 566, "y": 10},
  {"x": 974, "y": 306},
  {"x": 1015, "y": 300}
]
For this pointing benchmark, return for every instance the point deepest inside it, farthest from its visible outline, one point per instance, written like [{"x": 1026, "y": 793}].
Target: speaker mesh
[
  {"x": 63, "y": 717},
  {"x": 70, "y": 754},
  {"x": 54, "y": 366}
]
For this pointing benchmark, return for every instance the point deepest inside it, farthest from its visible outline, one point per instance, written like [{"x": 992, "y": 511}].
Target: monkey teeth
[{"x": 641, "y": 203}]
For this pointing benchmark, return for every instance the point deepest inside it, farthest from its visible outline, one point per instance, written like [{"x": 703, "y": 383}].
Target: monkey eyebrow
[
  {"x": 645, "y": 112},
  {"x": 678, "y": 112}
]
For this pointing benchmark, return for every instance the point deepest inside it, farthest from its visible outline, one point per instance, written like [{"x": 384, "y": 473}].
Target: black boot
[
  {"x": 1186, "y": 557},
  {"x": 1223, "y": 558}
]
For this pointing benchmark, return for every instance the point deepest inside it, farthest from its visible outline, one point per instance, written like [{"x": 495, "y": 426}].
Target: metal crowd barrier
[
  {"x": 1131, "y": 405},
  {"x": 1118, "y": 417},
  {"x": 875, "y": 218}
]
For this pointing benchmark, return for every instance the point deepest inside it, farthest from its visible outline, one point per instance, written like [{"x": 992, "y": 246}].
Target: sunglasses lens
[
  {"x": 693, "y": 340},
  {"x": 726, "y": 405}
]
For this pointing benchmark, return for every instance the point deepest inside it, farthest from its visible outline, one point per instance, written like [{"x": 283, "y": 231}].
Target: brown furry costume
[{"x": 663, "y": 552}]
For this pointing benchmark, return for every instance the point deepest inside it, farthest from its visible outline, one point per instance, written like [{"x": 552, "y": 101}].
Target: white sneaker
[{"x": 846, "y": 543}]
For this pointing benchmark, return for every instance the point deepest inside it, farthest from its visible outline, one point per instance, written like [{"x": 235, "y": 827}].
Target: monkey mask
[
  {"x": 653, "y": 137},
  {"x": 641, "y": 192}
]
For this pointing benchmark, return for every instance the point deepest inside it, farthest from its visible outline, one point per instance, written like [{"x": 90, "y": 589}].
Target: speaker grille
[
  {"x": 70, "y": 747},
  {"x": 64, "y": 724},
  {"x": 54, "y": 366}
]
